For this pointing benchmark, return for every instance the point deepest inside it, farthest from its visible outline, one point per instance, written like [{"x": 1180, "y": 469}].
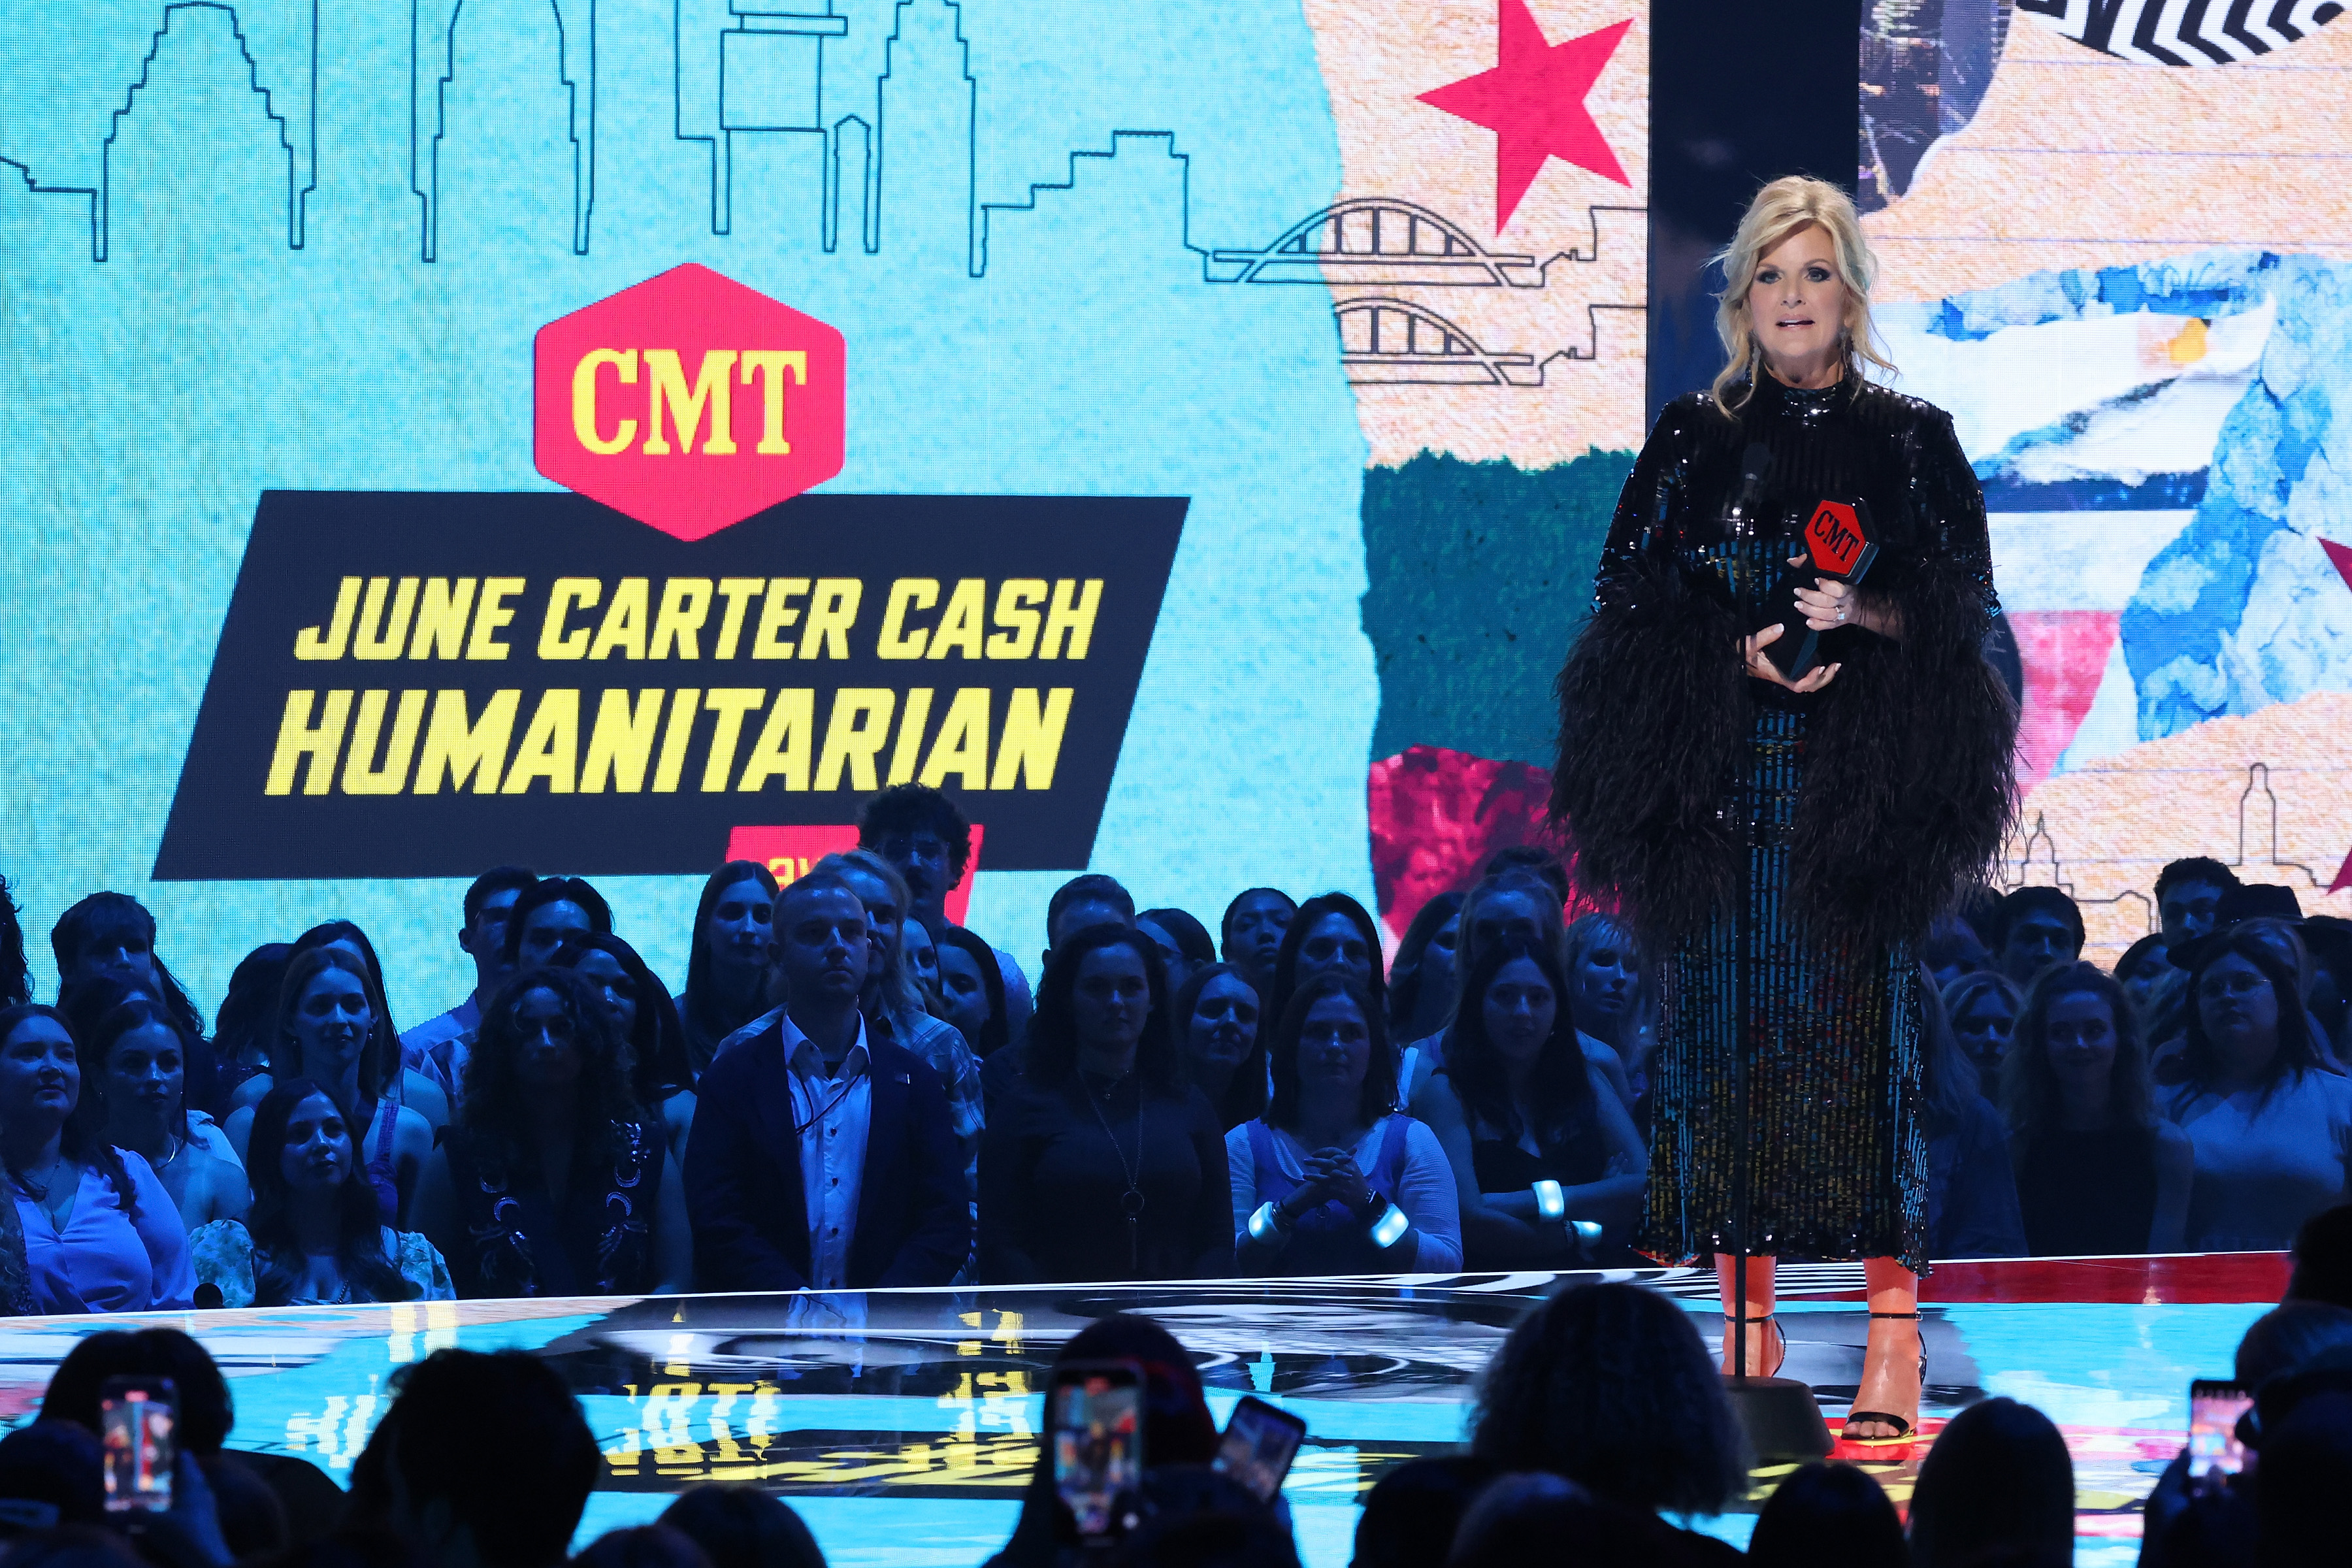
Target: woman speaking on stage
[{"x": 1781, "y": 844}]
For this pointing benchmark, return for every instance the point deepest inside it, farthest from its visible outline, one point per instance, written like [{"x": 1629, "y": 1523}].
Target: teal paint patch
[{"x": 1481, "y": 573}]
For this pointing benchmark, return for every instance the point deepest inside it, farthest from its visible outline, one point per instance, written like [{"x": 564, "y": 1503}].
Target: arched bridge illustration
[
  {"x": 1368, "y": 241},
  {"x": 1385, "y": 339}
]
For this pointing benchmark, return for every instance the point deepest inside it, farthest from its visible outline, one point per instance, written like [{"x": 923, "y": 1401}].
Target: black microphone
[{"x": 1753, "y": 464}]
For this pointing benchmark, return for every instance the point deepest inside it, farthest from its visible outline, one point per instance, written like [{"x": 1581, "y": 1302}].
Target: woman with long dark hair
[
  {"x": 326, "y": 1033},
  {"x": 85, "y": 1001},
  {"x": 2270, "y": 1127},
  {"x": 314, "y": 1234},
  {"x": 553, "y": 1182},
  {"x": 1971, "y": 1191},
  {"x": 1537, "y": 1138},
  {"x": 2099, "y": 1172},
  {"x": 134, "y": 1072},
  {"x": 727, "y": 961},
  {"x": 971, "y": 986},
  {"x": 1333, "y": 1179},
  {"x": 1332, "y": 933},
  {"x": 407, "y": 1087},
  {"x": 401, "y": 1085},
  {"x": 1104, "y": 1164},
  {"x": 1514, "y": 904},
  {"x": 1780, "y": 842},
  {"x": 1221, "y": 1032},
  {"x": 1422, "y": 980},
  {"x": 641, "y": 1016},
  {"x": 90, "y": 1228}
]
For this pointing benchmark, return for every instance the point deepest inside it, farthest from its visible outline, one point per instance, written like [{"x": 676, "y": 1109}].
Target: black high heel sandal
[
  {"x": 1783, "y": 1341},
  {"x": 1905, "y": 1431}
]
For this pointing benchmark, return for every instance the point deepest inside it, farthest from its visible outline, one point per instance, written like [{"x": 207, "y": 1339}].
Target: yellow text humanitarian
[{"x": 663, "y": 741}]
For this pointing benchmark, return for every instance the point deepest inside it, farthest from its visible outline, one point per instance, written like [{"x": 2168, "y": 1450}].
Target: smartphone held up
[
  {"x": 1259, "y": 1443},
  {"x": 140, "y": 1419},
  {"x": 1096, "y": 1424}
]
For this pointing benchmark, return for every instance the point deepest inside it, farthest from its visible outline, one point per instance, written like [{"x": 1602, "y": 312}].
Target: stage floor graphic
[{"x": 902, "y": 1424}]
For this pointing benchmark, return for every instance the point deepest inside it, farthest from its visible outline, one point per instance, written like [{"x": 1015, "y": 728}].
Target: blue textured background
[{"x": 151, "y": 396}]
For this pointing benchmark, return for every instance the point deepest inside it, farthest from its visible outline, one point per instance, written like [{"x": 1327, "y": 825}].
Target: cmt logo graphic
[
  {"x": 1840, "y": 538},
  {"x": 689, "y": 402}
]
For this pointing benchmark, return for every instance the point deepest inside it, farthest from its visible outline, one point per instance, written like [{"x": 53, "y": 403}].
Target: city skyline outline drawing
[
  {"x": 886, "y": 89},
  {"x": 61, "y": 143}
]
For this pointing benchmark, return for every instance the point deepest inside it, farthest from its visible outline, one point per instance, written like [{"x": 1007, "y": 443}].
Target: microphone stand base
[{"x": 1782, "y": 1418}]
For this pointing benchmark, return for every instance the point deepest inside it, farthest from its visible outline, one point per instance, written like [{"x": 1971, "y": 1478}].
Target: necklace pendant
[{"x": 1131, "y": 1205}]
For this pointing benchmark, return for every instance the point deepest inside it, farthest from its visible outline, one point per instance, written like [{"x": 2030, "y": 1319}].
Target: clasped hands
[
  {"x": 1828, "y": 604},
  {"x": 1327, "y": 1174}
]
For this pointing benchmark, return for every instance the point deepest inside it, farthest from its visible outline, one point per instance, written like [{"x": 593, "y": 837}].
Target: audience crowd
[
  {"x": 850, "y": 1091},
  {"x": 1600, "y": 1433}
]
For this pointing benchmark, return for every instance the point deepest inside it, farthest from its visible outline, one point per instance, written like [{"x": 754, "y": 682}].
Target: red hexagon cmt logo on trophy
[
  {"x": 1838, "y": 537},
  {"x": 689, "y": 402}
]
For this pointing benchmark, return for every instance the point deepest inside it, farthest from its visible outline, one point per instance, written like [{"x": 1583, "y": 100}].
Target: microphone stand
[{"x": 1780, "y": 1414}]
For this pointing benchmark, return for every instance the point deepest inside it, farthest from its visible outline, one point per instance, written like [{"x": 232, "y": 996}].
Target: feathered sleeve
[
  {"x": 1914, "y": 765},
  {"x": 1649, "y": 709}
]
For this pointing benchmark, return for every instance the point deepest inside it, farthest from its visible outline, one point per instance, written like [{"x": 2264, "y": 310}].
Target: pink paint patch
[
  {"x": 2340, "y": 555},
  {"x": 2064, "y": 653},
  {"x": 1437, "y": 815}
]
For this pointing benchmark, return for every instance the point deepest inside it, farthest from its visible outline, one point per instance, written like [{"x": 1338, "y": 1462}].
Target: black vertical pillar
[{"x": 1740, "y": 92}]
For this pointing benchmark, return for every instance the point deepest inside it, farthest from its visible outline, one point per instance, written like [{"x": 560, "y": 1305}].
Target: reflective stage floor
[{"x": 904, "y": 1432}]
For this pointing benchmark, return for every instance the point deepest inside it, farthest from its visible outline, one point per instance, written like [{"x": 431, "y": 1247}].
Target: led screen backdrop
[
  {"x": 2116, "y": 242},
  {"x": 1228, "y": 401}
]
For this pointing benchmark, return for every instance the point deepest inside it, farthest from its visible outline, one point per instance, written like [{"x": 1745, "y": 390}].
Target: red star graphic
[
  {"x": 1533, "y": 101},
  {"x": 2340, "y": 555}
]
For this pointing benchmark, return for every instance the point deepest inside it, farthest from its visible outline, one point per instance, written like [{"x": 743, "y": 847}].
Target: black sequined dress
[{"x": 1782, "y": 852}]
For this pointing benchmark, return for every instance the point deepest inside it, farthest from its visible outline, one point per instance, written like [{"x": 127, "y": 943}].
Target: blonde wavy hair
[{"x": 1781, "y": 210}]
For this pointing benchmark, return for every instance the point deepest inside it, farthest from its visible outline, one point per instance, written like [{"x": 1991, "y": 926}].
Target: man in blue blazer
[{"x": 822, "y": 1159}]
